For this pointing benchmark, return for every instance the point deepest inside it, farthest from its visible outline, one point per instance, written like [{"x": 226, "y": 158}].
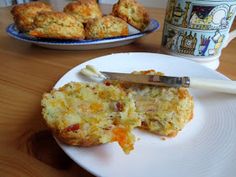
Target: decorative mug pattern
[
  {"x": 197, "y": 27},
  {"x": 193, "y": 42}
]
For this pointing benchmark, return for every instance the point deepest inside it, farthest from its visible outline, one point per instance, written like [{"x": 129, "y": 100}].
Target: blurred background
[{"x": 147, "y": 3}]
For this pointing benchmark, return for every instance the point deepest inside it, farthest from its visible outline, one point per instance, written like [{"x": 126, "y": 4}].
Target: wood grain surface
[{"x": 27, "y": 148}]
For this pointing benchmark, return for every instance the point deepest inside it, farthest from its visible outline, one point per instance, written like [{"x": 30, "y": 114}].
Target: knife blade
[
  {"x": 216, "y": 85},
  {"x": 164, "y": 81}
]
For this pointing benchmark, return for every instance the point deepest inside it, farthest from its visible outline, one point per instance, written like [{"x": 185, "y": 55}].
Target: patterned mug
[{"x": 198, "y": 29}]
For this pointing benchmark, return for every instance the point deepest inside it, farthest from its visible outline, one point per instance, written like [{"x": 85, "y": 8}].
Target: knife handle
[{"x": 225, "y": 86}]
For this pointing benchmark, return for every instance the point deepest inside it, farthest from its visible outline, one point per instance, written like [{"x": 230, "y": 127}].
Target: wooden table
[{"x": 26, "y": 72}]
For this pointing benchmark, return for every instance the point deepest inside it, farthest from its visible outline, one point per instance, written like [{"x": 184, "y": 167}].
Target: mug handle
[{"x": 231, "y": 36}]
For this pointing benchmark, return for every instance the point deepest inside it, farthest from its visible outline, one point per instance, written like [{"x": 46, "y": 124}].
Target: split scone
[
  {"x": 132, "y": 12},
  {"x": 162, "y": 110},
  {"x": 57, "y": 25},
  {"x": 105, "y": 27},
  {"x": 24, "y": 14},
  {"x": 88, "y": 114},
  {"x": 84, "y": 10}
]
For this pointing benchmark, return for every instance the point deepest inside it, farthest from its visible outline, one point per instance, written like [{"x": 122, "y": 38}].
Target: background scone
[
  {"x": 24, "y": 14},
  {"x": 87, "y": 114},
  {"x": 132, "y": 12},
  {"x": 163, "y": 111},
  {"x": 84, "y": 10},
  {"x": 105, "y": 27},
  {"x": 57, "y": 25}
]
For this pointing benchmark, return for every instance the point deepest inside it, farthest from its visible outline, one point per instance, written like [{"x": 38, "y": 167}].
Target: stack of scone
[
  {"x": 88, "y": 114},
  {"x": 81, "y": 19}
]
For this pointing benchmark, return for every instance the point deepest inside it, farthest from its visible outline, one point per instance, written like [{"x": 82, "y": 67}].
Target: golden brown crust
[
  {"x": 78, "y": 139},
  {"x": 84, "y": 10},
  {"x": 132, "y": 12},
  {"x": 105, "y": 27},
  {"x": 24, "y": 14},
  {"x": 57, "y": 25}
]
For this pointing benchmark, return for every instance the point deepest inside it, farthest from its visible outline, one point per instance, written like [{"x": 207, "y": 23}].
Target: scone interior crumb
[
  {"x": 90, "y": 114},
  {"x": 162, "y": 111}
]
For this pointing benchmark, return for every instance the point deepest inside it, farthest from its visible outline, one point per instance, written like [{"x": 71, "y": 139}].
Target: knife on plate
[{"x": 226, "y": 86}]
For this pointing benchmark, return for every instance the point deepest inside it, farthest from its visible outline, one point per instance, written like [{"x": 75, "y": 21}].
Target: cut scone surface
[
  {"x": 162, "y": 110},
  {"x": 88, "y": 114}
]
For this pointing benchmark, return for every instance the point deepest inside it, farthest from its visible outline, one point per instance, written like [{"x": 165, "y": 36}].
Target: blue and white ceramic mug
[{"x": 198, "y": 29}]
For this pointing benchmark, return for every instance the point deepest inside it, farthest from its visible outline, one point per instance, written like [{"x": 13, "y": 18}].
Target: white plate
[
  {"x": 206, "y": 147},
  {"x": 134, "y": 34}
]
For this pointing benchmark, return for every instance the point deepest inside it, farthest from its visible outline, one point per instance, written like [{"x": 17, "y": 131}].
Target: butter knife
[{"x": 226, "y": 86}]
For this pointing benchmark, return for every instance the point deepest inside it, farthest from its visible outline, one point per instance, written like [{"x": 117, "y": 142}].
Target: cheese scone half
[
  {"x": 88, "y": 114},
  {"x": 163, "y": 111}
]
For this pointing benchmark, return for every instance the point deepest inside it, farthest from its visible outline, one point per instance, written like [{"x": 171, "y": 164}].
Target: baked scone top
[
  {"x": 24, "y": 14},
  {"x": 84, "y": 10},
  {"x": 57, "y": 25},
  {"x": 105, "y": 27},
  {"x": 132, "y": 12}
]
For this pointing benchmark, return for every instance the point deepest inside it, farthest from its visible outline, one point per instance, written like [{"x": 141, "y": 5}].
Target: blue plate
[{"x": 83, "y": 44}]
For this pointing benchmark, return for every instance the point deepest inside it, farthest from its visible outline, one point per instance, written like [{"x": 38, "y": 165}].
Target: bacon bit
[
  {"x": 107, "y": 83},
  {"x": 119, "y": 107},
  {"x": 73, "y": 127},
  {"x": 144, "y": 124},
  {"x": 107, "y": 128}
]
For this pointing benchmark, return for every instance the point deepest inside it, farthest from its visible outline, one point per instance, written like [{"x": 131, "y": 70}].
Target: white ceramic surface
[
  {"x": 206, "y": 147},
  {"x": 134, "y": 34}
]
